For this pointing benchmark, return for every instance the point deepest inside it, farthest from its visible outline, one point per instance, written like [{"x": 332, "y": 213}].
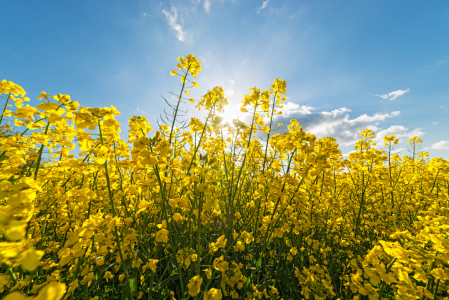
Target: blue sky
[{"x": 349, "y": 65}]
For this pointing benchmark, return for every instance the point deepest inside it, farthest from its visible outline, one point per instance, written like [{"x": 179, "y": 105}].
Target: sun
[{"x": 230, "y": 113}]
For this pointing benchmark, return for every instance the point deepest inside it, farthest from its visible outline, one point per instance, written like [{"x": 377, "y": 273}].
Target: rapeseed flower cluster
[{"x": 208, "y": 211}]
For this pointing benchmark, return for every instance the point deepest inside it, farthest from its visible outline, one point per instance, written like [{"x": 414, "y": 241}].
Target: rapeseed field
[{"x": 209, "y": 210}]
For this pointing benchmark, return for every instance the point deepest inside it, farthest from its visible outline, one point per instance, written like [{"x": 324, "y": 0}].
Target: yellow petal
[
  {"x": 16, "y": 231},
  {"x": 31, "y": 259},
  {"x": 173, "y": 73},
  {"x": 52, "y": 291},
  {"x": 63, "y": 261},
  {"x": 19, "y": 123},
  {"x": 15, "y": 296}
]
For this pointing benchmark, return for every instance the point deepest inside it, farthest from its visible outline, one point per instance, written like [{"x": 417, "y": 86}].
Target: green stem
[
  {"x": 199, "y": 143},
  {"x": 41, "y": 150},
  {"x": 429, "y": 282},
  {"x": 10, "y": 272},
  {"x": 269, "y": 133},
  {"x": 200, "y": 206},
  {"x": 113, "y": 214},
  {"x": 384, "y": 284},
  {"x": 4, "y": 108},
  {"x": 177, "y": 106}
]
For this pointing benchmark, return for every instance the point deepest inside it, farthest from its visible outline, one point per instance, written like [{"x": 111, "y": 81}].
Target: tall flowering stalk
[{"x": 210, "y": 209}]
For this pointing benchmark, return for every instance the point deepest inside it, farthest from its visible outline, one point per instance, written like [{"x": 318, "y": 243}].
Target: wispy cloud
[
  {"x": 206, "y": 5},
  {"x": 399, "y": 150},
  {"x": 336, "y": 123},
  {"x": 393, "y": 95},
  {"x": 399, "y": 131},
  {"x": 264, "y": 4},
  {"x": 441, "y": 145},
  {"x": 291, "y": 108},
  {"x": 172, "y": 18}
]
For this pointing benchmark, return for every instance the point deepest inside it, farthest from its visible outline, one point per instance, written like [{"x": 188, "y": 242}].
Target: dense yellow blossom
[
  {"x": 194, "y": 285},
  {"x": 209, "y": 211}
]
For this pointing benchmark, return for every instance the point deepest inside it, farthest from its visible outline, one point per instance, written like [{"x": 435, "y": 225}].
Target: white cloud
[
  {"x": 441, "y": 145},
  {"x": 393, "y": 95},
  {"x": 206, "y": 5},
  {"x": 399, "y": 150},
  {"x": 335, "y": 123},
  {"x": 172, "y": 18},
  {"x": 293, "y": 108},
  {"x": 292, "y": 16},
  {"x": 435, "y": 123},
  {"x": 264, "y": 4},
  {"x": 399, "y": 131}
]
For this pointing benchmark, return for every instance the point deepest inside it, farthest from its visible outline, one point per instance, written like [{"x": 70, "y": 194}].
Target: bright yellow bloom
[
  {"x": 220, "y": 264},
  {"x": 88, "y": 278},
  {"x": 194, "y": 285},
  {"x": 162, "y": 236},
  {"x": 108, "y": 275},
  {"x": 151, "y": 265},
  {"x": 53, "y": 290},
  {"x": 378, "y": 216},
  {"x": 100, "y": 261},
  {"x": 213, "y": 294},
  {"x": 15, "y": 296},
  {"x": 177, "y": 217},
  {"x": 208, "y": 273},
  {"x": 294, "y": 250},
  {"x": 43, "y": 95}
]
